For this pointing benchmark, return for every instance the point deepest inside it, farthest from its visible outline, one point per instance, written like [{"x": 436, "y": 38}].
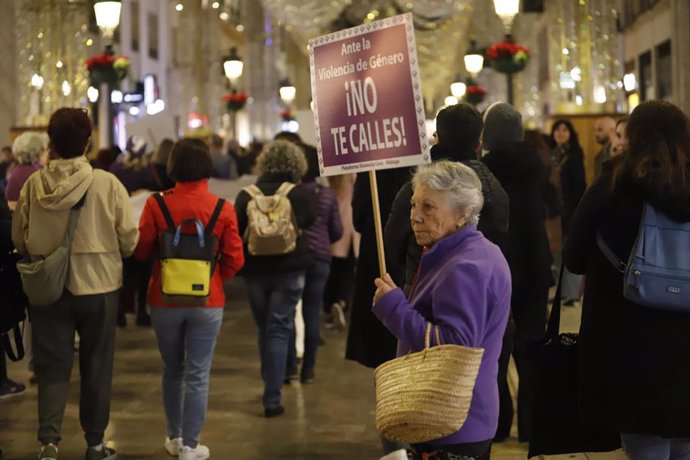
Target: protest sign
[{"x": 368, "y": 106}]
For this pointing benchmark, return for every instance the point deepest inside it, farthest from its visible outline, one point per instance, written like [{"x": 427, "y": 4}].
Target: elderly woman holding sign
[{"x": 462, "y": 289}]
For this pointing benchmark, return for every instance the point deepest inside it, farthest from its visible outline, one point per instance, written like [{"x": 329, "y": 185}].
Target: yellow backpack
[{"x": 187, "y": 260}]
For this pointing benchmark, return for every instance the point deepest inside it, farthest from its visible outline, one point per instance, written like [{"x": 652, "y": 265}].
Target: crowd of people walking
[{"x": 475, "y": 243}]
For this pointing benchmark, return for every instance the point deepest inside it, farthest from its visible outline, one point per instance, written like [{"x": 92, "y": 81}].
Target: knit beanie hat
[{"x": 502, "y": 126}]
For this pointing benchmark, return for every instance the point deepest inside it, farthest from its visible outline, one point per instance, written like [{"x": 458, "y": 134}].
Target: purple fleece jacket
[{"x": 463, "y": 286}]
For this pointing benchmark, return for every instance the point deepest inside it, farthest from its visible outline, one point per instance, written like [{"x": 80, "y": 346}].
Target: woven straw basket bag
[{"x": 426, "y": 395}]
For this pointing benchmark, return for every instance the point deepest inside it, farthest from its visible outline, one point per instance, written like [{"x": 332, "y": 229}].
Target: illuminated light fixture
[
  {"x": 37, "y": 81},
  {"x": 239, "y": 28},
  {"x": 450, "y": 100},
  {"x": 578, "y": 100},
  {"x": 107, "y": 16},
  {"x": 215, "y": 5},
  {"x": 59, "y": 64},
  {"x": 224, "y": 16},
  {"x": 293, "y": 126},
  {"x": 156, "y": 107},
  {"x": 458, "y": 88},
  {"x": 287, "y": 91},
  {"x": 565, "y": 51},
  {"x": 233, "y": 65},
  {"x": 507, "y": 10},
  {"x": 116, "y": 96},
  {"x": 92, "y": 94},
  {"x": 179, "y": 7},
  {"x": 474, "y": 60},
  {"x": 629, "y": 82},
  {"x": 134, "y": 111},
  {"x": 576, "y": 74},
  {"x": 66, "y": 88},
  {"x": 599, "y": 94}
]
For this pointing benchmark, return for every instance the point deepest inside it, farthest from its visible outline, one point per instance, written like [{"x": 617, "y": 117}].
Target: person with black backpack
[
  {"x": 271, "y": 215},
  {"x": 193, "y": 236},
  {"x": 634, "y": 374}
]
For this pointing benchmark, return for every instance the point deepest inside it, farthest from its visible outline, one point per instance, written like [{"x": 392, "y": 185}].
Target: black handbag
[
  {"x": 13, "y": 307},
  {"x": 556, "y": 425}
]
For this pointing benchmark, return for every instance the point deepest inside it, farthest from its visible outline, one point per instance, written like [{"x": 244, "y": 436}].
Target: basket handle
[{"x": 427, "y": 336}]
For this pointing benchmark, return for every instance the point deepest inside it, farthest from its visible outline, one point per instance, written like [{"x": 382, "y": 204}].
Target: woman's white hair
[
  {"x": 459, "y": 183},
  {"x": 28, "y": 146},
  {"x": 282, "y": 157}
]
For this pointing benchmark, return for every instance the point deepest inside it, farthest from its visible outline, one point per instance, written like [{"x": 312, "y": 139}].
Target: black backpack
[{"x": 13, "y": 306}]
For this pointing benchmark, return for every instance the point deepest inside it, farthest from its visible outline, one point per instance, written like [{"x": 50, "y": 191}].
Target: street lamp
[
  {"x": 233, "y": 65},
  {"x": 458, "y": 88},
  {"x": 287, "y": 91},
  {"x": 107, "y": 19},
  {"x": 474, "y": 59},
  {"x": 507, "y": 10}
]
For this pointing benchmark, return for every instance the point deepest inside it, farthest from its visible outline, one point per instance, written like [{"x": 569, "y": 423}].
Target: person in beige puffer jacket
[{"x": 105, "y": 232}]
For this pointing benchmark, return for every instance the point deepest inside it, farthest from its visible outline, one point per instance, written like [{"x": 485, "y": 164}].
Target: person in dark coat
[
  {"x": 368, "y": 341},
  {"x": 275, "y": 283},
  {"x": 522, "y": 174},
  {"x": 8, "y": 388},
  {"x": 634, "y": 360},
  {"x": 568, "y": 157},
  {"x": 326, "y": 229}
]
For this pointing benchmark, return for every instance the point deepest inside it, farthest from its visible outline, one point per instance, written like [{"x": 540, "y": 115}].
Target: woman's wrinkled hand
[{"x": 383, "y": 286}]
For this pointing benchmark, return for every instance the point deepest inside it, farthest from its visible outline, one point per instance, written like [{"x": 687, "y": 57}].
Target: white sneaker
[
  {"x": 198, "y": 453},
  {"x": 173, "y": 446},
  {"x": 400, "y": 454}
]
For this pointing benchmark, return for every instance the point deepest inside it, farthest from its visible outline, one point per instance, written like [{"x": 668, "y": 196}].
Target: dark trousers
[
  {"x": 341, "y": 282},
  {"x": 3, "y": 366},
  {"x": 93, "y": 317},
  {"x": 505, "y": 414},
  {"x": 315, "y": 281}
]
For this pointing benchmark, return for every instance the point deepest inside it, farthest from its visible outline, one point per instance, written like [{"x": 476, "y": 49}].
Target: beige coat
[{"x": 106, "y": 230}]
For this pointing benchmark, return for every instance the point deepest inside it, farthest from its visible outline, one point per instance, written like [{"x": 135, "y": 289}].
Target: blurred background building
[{"x": 584, "y": 58}]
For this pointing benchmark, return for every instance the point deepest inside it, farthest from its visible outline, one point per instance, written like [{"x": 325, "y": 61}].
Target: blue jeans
[
  {"x": 273, "y": 299},
  {"x": 186, "y": 340},
  {"x": 314, "y": 285},
  {"x": 647, "y": 447}
]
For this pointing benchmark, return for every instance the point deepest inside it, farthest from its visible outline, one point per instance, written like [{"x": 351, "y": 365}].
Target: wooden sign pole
[{"x": 377, "y": 221}]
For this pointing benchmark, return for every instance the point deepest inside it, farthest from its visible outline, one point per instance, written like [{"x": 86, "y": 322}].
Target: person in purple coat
[{"x": 462, "y": 286}]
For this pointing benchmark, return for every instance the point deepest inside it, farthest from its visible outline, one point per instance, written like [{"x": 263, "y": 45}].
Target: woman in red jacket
[{"x": 187, "y": 334}]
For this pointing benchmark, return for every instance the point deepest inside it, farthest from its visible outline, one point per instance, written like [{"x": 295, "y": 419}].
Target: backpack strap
[
  {"x": 165, "y": 211},
  {"x": 253, "y": 191},
  {"x": 285, "y": 188},
  {"x": 610, "y": 256},
  {"x": 214, "y": 217}
]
